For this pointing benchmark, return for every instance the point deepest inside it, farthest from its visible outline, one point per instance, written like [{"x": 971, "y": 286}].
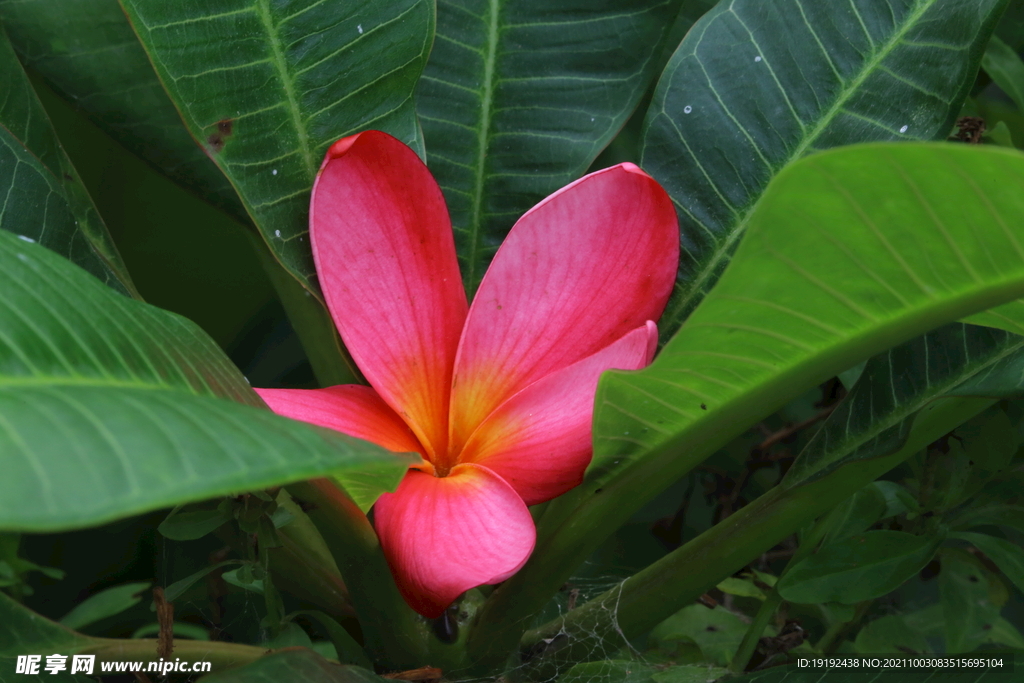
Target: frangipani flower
[{"x": 496, "y": 397}]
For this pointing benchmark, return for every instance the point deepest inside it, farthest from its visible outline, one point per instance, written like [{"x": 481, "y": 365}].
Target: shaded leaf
[
  {"x": 890, "y": 634},
  {"x": 188, "y": 526},
  {"x": 757, "y": 85},
  {"x": 43, "y": 198},
  {"x": 298, "y": 664},
  {"x": 518, "y": 98},
  {"x": 717, "y": 632},
  {"x": 857, "y": 568},
  {"x": 967, "y": 609},
  {"x": 87, "y": 52},
  {"x": 1005, "y": 67},
  {"x": 1008, "y": 556},
  {"x": 266, "y": 87},
  {"x": 104, "y": 604},
  {"x": 611, "y": 670},
  {"x": 24, "y": 632}
]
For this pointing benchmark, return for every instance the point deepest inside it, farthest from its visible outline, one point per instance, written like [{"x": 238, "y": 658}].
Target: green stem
[
  {"x": 650, "y": 596},
  {"x": 773, "y": 599},
  {"x": 838, "y": 628},
  {"x": 312, "y": 323},
  {"x": 395, "y": 636}
]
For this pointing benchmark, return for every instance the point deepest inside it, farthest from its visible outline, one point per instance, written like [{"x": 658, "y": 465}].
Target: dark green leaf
[
  {"x": 997, "y": 514},
  {"x": 293, "y": 665},
  {"x": 107, "y": 407},
  {"x": 876, "y": 416},
  {"x": 104, "y": 604},
  {"x": 967, "y": 609},
  {"x": 756, "y": 85},
  {"x": 519, "y": 97},
  {"x": 188, "y": 526},
  {"x": 88, "y": 52},
  {"x": 890, "y": 634},
  {"x": 267, "y": 87},
  {"x": 346, "y": 649},
  {"x": 43, "y": 198},
  {"x": 1005, "y": 67},
  {"x": 856, "y": 514},
  {"x": 1008, "y": 556},
  {"x": 857, "y": 568},
  {"x": 982, "y": 449},
  {"x": 178, "y": 588}
]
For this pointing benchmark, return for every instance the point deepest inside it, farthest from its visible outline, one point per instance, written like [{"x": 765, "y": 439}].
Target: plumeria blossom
[{"x": 497, "y": 397}]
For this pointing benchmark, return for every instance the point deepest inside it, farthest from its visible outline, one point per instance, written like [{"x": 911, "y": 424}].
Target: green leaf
[
  {"x": 294, "y": 665},
  {"x": 611, "y": 671},
  {"x": 877, "y": 414},
  {"x": 107, "y": 407},
  {"x": 740, "y": 587},
  {"x": 717, "y": 632},
  {"x": 346, "y": 649},
  {"x": 967, "y": 610},
  {"x": 890, "y": 634},
  {"x": 1006, "y": 69},
  {"x": 188, "y": 526},
  {"x": 1008, "y": 556},
  {"x": 519, "y": 97},
  {"x": 857, "y": 568},
  {"x": 178, "y": 588},
  {"x": 88, "y": 53},
  {"x": 267, "y": 87},
  {"x": 104, "y": 604},
  {"x": 43, "y": 198},
  {"x": 24, "y": 632},
  {"x": 689, "y": 674},
  {"x": 775, "y": 325},
  {"x": 757, "y": 85}
]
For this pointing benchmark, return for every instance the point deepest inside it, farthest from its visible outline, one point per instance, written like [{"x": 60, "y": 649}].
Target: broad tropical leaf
[
  {"x": 756, "y": 85},
  {"x": 87, "y": 52},
  {"x": 519, "y": 97},
  {"x": 108, "y": 407},
  {"x": 266, "y": 87},
  {"x": 43, "y": 198}
]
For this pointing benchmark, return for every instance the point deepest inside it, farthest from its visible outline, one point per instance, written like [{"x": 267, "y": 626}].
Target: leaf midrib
[
  {"x": 725, "y": 247},
  {"x": 483, "y": 134},
  {"x": 277, "y": 58}
]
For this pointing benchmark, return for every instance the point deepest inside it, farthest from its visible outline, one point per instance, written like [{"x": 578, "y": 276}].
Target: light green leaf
[
  {"x": 520, "y": 96},
  {"x": 43, "y": 198},
  {"x": 717, "y": 632},
  {"x": 266, "y": 87},
  {"x": 1006, "y": 69},
  {"x": 776, "y": 324},
  {"x": 740, "y": 587},
  {"x": 108, "y": 408},
  {"x": 1008, "y": 556},
  {"x": 757, "y": 85},
  {"x": 104, "y": 604},
  {"x": 857, "y": 568}
]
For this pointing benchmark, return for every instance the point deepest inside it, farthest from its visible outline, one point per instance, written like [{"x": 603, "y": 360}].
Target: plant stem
[
  {"x": 396, "y": 637},
  {"x": 650, "y": 596},
  {"x": 312, "y": 323},
  {"x": 773, "y": 599}
]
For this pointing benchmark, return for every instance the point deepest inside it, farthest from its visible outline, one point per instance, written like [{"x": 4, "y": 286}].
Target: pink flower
[{"x": 496, "y": 397}]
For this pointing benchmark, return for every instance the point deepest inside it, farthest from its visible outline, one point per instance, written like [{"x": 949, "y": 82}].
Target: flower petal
[
  {"x": 385, "y": 256},
  {"x": 350, "y": 409},
  {"x": 539, "y": 440},
  {"x": 445, "y": 535},
  {"x": 579, "y": 270}
]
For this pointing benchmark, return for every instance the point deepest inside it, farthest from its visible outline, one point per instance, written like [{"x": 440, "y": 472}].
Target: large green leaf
[
  {"x": 756, "y": 85},
  {"x": 43, "y": 197},
  {"x": 88, "y": 52},
  {"x": 520, "y": 96},
  {"x": 108, "y": 407},
  {"x": 830, "y": 272},
  {"x": 267, "y": 87},
  {"x": 23, "y": 632}
]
